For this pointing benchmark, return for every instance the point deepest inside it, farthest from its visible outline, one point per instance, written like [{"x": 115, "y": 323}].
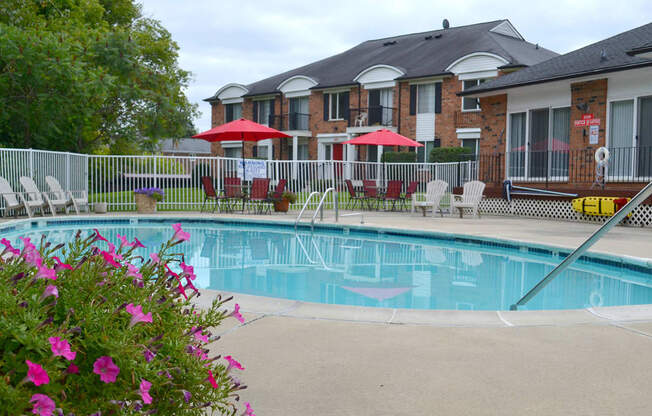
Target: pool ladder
[
  {"x": 320, "y": 208},
  {"x": 577, "y": 253}
]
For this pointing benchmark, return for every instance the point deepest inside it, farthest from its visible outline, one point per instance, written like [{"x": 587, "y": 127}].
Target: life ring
[
  {"x": 602, "y": 155},
  {"x": 592, "y": 299}
]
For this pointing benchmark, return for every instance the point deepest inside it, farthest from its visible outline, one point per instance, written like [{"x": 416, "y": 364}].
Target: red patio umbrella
[
  {"x": 384, "y": 137},
  {"x": 242, "y": 130}
]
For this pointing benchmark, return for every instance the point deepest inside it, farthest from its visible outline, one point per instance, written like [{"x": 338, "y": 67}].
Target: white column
[
  {"x": 295, "y": 155},
  {"x": 380, "y": 165},
  {"x": 350, "y": 157}
]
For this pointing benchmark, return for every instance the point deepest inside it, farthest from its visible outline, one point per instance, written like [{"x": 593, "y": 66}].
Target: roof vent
[
  {"x": 438, "y": 35},
  {"x": 428, "y": 37},
  {"x": 536, "y": 46},
  {"x": 603, "y": 55},
  {"x": 446, "y": 24},
  {"x": 391, "y": 42}
]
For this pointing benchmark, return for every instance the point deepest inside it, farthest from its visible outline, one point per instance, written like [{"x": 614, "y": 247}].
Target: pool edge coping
[{"x": 442, "y": 318}]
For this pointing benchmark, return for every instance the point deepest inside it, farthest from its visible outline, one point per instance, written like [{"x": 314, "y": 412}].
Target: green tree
[{"x": 88, "y": 75}]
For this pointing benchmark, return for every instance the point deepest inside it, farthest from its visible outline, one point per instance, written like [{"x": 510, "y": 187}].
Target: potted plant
[
  {"x": 146, "y": 199},
  {"x": 283, "y": 205}
]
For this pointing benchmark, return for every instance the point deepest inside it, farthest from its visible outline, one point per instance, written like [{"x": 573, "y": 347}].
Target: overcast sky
[{"x": 224, "y": 41}]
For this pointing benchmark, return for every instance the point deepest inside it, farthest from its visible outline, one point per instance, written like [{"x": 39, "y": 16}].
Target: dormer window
[{"x": 471, "y": 104}]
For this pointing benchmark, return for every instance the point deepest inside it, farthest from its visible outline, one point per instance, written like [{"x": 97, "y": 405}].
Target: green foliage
[
  {"x": 92, "y": 312},
  {"x": 450, "y": 154},
  {"x": 86, "y": 75},
  {"x": 290, "y": 196},
  {"x": 398, "y": 157}
]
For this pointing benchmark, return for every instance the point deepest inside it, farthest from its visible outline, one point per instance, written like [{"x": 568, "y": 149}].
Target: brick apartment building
[
  {"x": 556, "y": 114},
  {"x": 408, "y": 84}
]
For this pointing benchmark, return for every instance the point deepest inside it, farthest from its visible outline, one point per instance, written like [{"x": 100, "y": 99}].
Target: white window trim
[
  {"x": 477, "y": 109},
  {"x": 337, "y": 105},
  {"x": 527, "y": 177}
]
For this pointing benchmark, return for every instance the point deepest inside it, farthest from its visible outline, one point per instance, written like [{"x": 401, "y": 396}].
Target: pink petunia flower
[
  {"x": 72, "y": 369},
  {"x": 133, "y": 271},
  {"x": 137, "y": 243},
  {"x": 236, "y": 313},
  {"x": 9, "y": 247},
  {"x": 43, "y": 405},
  {"x": 211, "y": 379},
  {"x": 106, "y": 369},
  {"x": 179, "y": 234},
  {"x": 197, "y": 333},
  {"x": 124, "y": 242},
  {"x": 144, "y": 391},
  {"x": 190, "y": 285},
  {"x": 182, "y": 291},
  {"x": 248, "y": 411},
  {"x": 110, "y": 259},
  {"x": 233, "y": 363},
  {"x": 155, "y": 258},
  {"x": 50, "y": 290},
  {"x": 60, "y": 264},
  {"x": 36, "y": 374},
  {"x": 98, "y": 236},
  {"x": 31, "y": 254},
  {"x": 45, "y": 272},
  {"x": 60, "y": 347},
  {"x": 113, "y": 252},
  {"x": 137, "y": 314},
  {"x": 189, "y": 270}
]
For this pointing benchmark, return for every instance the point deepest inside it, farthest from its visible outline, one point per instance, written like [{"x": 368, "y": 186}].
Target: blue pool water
[{"x": 371, "y": 268}]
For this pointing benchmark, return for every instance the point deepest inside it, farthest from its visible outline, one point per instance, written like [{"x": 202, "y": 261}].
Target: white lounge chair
[
  {"x": 470, "y": 198},
  {"x": 68, "y": 196},
  {"x": 35, "y": 198},
  {"x": 13, "y": 200},
  {"x": 435, "y": 190}
]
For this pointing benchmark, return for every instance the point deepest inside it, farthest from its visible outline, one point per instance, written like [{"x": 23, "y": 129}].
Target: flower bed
[{"x": 94, "y": 329}]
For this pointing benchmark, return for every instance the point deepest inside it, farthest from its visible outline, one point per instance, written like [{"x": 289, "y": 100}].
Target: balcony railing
[
  {"x": 298, "y": 121},
  {"x": 467, "y": 119},
  {"x": 626, "y": 164},
  {"x": 373, "y": 116}
]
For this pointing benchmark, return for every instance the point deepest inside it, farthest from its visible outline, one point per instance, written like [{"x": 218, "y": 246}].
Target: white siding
[
  {"x": 551, "y": 94},
  {"x": 477, "y": 62},
  {"x": 629, "y": 84},
  {"x": 505, "y": 28},
  {"x": 379, "y": 76},
  {"x": 296, "y": 85}
]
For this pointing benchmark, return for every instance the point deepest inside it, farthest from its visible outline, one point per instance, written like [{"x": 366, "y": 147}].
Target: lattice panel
[{"x": 557, "y": 209}]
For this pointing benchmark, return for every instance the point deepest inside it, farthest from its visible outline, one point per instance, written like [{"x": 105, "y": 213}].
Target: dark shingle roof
[
  {"x": 605, "y": 56},
  {"x": 415, "y": 55}
]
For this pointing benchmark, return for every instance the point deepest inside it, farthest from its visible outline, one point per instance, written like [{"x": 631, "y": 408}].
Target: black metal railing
[
  {"x": 373, "y": 116},
  {"x": 276, "y": 121},
  {"x": 625, "y": 164}
]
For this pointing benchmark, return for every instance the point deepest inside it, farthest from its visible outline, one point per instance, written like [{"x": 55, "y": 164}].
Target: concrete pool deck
[{"x": 304, "y": 358}]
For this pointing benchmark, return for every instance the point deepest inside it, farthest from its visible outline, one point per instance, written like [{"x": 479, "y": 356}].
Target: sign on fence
[{"x": 252, "y": 169}]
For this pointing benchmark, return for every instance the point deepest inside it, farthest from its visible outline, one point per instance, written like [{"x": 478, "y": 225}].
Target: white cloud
[{"x": 246, "y": 40}]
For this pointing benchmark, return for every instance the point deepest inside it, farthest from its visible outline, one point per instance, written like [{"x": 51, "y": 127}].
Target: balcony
[
  {"x": 467, "y": 119},
  {"x": 290, "y": 121},
  {"x": 373, "y": 116}
]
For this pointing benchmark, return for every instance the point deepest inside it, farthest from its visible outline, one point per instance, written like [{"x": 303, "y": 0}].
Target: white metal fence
[{"x": 112, "y": 179}]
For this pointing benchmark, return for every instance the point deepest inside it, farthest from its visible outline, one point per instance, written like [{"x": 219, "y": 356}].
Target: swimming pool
[{"x": 370, "y": 267}]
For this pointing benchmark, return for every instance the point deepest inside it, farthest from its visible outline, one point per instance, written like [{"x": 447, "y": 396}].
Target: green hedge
[
  {"x": 450, "y": 154},
  {"x": 399, "y": 157}
]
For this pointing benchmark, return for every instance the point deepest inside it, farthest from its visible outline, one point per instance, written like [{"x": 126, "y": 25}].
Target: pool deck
[{"x": 305, "y": 358}]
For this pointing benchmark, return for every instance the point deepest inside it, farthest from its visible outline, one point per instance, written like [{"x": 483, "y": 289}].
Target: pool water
[{"x": 370, "y": 268}]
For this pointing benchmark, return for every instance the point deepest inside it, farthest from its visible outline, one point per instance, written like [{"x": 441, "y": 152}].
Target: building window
[
  {"x": 299, "y": 113},
  {"x": 543, "y": 151},
  {"x": 425, "y": 99},
  {"x": 472, "y": 145},
  {"x": 302, "y": 149},
  {"x": 338, "y": 105},
  {"x": 234, "y": 152},
  {"x": 232, "y": 112},
  {"x": 262, "y": 111},
  {"x": 381, "y": 109},
  {"x": 468, "y": 103}
]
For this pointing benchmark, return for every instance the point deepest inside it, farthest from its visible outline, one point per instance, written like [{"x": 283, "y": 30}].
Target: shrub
[
  {"x": 290, "y": 196},
  {"x": 399, "y": 157},
  {"x": 94, "y": 334},
  {"x": 450, "y": 154}
]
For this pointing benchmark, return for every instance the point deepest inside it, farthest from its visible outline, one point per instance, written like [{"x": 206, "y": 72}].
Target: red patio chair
[
  {"x": 354, "y": 198},
  {"x": 393, "y": 193},
  {"x": 370, "y": 192},
  {"x": 411, "y": 189},
  {"x": 259, "y": 196},
  {"x": 209, "y": 193}
]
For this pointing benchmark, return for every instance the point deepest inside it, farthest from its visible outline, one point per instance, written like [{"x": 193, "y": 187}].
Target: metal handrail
[
  {"x": 618, "y": 216},
  {"x": 305, "y": 205},
  {"x": 320, "y": 207}
]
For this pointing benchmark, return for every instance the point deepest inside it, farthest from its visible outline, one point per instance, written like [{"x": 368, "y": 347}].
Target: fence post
[
  {"x": 31, "y": 163},
  {"x": 67, "y": 170}
]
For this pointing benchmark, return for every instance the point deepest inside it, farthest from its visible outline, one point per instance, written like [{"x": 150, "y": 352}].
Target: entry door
[
  {"x": 644, "y": 142},
  {"x": 338, "y": 153}
]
